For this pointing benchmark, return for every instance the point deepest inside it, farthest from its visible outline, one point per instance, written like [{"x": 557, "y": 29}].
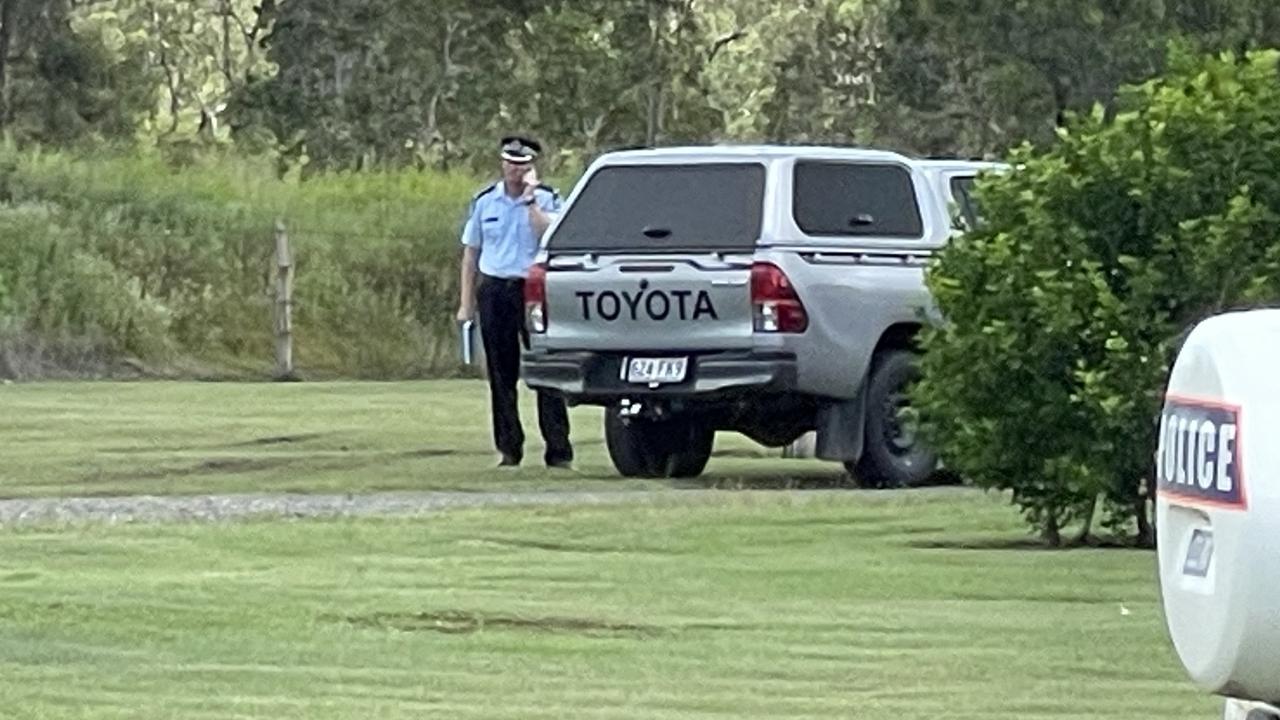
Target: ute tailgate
[
  {"x": 656, "y": 256},
  {"x": 650, "y": 303}
]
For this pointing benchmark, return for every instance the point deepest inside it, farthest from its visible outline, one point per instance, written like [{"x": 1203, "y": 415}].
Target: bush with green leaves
[{"x": 1062, "y": 310}]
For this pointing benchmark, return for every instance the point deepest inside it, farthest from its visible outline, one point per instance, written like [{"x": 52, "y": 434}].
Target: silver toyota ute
[{"x": 766, "y": 290}]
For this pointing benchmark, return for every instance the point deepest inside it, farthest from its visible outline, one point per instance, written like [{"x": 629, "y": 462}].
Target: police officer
[{"x": 500, "y": 241}]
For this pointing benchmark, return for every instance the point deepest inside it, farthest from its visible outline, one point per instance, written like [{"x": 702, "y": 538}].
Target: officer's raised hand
[
  {"x": 531, "y": 183},
  {"x": 539, "y": 219}
]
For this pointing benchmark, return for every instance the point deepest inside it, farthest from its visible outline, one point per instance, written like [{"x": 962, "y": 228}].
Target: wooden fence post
[{"x": 282, "y": 308}]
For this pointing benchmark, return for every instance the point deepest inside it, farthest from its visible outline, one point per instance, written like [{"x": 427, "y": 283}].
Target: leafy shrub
[
  {"x": 67, "y": 289},
  {"x": 1096, "y": 254}
]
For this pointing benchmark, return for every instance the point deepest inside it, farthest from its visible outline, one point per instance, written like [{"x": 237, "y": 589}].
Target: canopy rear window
[
  {"x": 962, "y": 191},
  {"x": 855, "y": 199},
  {"x": 714, "y": 206}
]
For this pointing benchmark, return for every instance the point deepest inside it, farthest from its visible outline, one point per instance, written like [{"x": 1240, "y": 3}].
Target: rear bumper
[{"x": 596, "y": 377}]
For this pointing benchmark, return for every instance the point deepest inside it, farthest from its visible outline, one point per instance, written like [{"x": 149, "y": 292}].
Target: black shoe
[
  {"x": 509, "y": 461},
  {"x": 560, "y": 463}
]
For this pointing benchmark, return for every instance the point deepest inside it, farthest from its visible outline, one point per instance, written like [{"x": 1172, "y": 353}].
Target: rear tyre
[
  {"x": 635, "y": 445},
  {"x": 893, "y": 454},
  {"x": 690, "y": 444},
  {"x": 677, "y": 448}
]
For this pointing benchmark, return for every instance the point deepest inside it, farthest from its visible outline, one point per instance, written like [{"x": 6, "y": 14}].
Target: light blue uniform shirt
[{"x": 498, "y": 226}]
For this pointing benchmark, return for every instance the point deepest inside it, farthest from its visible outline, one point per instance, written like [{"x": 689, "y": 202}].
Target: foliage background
[
  {"x": 150, "y": 144},
  {"x": 107, "y": 258}
]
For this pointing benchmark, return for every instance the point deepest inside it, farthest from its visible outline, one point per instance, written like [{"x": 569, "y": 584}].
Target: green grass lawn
[
  {"x": 750, "y": 605},
  {"x": 100, "y": 438}
]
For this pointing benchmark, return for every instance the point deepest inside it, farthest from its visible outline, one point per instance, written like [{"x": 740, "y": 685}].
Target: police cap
[{"x": 520, "y": 149}]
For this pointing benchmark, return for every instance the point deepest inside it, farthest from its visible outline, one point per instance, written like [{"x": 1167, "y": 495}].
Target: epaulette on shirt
[
  {"x": 554, "y": 193},
  {"x": 471, "y": 206}
]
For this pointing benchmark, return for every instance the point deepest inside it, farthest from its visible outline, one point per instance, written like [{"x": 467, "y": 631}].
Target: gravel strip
[{"x": 214, "y": 508}]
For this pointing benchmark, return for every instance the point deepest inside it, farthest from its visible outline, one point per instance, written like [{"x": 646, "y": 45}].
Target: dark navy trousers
[{"x": 502, "y": 330}]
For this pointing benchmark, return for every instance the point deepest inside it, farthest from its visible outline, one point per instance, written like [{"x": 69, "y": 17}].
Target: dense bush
[
  {"x": 1096, "y": 254},
  {"x": 167, "y": 266}
]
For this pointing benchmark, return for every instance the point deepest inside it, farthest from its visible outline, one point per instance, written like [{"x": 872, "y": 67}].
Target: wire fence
[{"x": 356, "y": 303}]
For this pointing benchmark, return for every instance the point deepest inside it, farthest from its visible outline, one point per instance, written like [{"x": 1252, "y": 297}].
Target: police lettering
[
  {"x": 1199, "y": 453},
  {"x": 657, "y": 305}
]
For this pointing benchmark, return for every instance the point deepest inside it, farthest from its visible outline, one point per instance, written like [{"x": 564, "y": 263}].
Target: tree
[
  {"x": 1095, "y": 254},
  {"x": 976, "y": 77},
  {"x": 1239, "y": 25},
  {"x": 644, "y": 86},
  {"x": 380, "y": 83},
  {"x": 60, "y": 83},
  {"x": 199, "y": 53},
  {"x": 803, "y": 71}
]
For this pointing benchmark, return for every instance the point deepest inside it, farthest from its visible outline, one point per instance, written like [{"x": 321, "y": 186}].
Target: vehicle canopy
[
  {"x": 735, "y": 198},
  {"x": 953, "y": 180}
]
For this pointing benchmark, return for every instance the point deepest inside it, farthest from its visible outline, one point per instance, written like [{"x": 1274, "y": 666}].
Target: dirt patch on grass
[
  {"x": 341, "y": 459},
  {"x": 280, "y": 439},
  {"x": 435, "y": 452},
  {"x": 222, "y": 465},
  {"x": 256, "y": 442},
  {"x": 462, "y": 622},
  {"x": 524, "y": 543},
  {"x": 206, "y": 467}
]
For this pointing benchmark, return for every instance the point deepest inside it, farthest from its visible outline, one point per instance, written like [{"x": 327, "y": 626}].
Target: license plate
[{"x": 656, "y": 371}]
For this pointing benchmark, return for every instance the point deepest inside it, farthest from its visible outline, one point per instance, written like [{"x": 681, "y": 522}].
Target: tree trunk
[
  {"x": 1146, "y": 528},
  {"x": 172, "y": 82},
  {"x": 651, "y": 122},
  {"x": 226, "y": 44},
  {"x": 1050, "y": 532},
  {"x": 175, "y": 102},
  {"x": 7, "y": 9},
  {"x": 591, "y": 136},
  {"x": 1087, "y": 529},
  {"x": 208, "y": 123},
  {"x": 655, "y": 84},
  {"x": 1061, "y": 103},
  {"x": 1146, "y": 492}
]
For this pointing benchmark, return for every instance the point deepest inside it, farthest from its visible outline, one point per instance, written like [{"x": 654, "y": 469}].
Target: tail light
[
  {"x": 776, "y": 305},
  {"x": 535, "y": 299}
]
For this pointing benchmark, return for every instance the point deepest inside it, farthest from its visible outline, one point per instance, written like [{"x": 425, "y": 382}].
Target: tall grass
[{"x": 112, "y": 258}]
